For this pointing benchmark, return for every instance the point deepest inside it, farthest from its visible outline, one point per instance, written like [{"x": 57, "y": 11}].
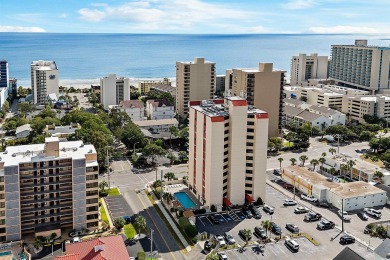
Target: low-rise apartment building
[
  {"x": 227, "y": 151},
  {"x": 134, "y": 108},
  {"x": 158, "y": 126},
  {"x": 144, "y": 86},
  {"x": 47, "y": 187},
  {"x": 359, "y": 106},
  {"x": 159, "y": 109},
  {"x": 61, "y": 131}
]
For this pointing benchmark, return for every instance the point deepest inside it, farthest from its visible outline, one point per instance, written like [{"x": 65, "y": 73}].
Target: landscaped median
[{"x": 130, "y": 231}]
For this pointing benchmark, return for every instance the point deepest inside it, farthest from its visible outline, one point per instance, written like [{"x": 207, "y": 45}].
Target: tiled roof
[
  {"x": 292, "y": 111},
  {"x": 131, "y": 104},
  {"x": 158, "y": 103},
  {"x": 107, "y": 248},
  {"x": 67, "y": 257}
]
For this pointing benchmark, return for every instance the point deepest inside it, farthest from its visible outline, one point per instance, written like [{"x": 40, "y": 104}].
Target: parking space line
[
  {"x": 200, "y": 219},
  {"x": 224, "y": 218}
]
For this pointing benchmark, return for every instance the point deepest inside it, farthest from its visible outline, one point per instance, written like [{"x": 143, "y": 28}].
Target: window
[
  {"x": 248, "y": 185},
  {"x": 251, "y": 123}
]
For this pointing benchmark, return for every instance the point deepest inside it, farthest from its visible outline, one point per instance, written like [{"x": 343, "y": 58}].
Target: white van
[{"x": 292, "y": 245}]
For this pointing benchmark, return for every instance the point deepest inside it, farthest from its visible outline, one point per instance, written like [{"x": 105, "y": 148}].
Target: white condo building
[
  {"x": 44, "y": 80},
  {"x": 4, "y": 82},
  {"x": 159, "y": 109},
  {"x": 227, "y": 151},
  {"x": 305, "y": 67},
  {"x": 114, "y": 90}
]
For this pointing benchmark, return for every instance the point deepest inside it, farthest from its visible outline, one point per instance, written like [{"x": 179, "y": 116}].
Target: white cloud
[
  {"x": 92, "y": 15},
  {"x": 348, "y": 29},
  {"x": 299, "y": 4},
  {"x": 63, "y": 15},
  {"x": 5, "y": 28}
]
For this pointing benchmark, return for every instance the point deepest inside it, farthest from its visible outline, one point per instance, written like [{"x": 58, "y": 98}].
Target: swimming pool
[
  {"x": 185, "y": 200},
  {"x": 5, "y": 253}
]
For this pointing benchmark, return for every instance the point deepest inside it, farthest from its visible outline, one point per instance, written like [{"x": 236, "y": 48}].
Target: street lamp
[{"x": 338, "y": 143}]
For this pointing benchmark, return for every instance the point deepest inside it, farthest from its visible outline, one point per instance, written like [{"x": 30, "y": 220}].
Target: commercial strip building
[
  {"x": 361, "y": 66},
  {"x": 113, "y": 90},
  {"x": 158, "y": 126},
  {"x": 144, "y": 86},
  {"x": 47, "y": 187},
  {"x": 194, "y": 81},
  {"x": 44, "y": 80},
  {"x": 305, "y": 67},
  {"x": 159, "y": 109},
  {"x": 227, "y": 151},
  {"x": 354, "y": 195},
  {"x": 263, "y": 88},
  {"x": 134, "y": 108}
]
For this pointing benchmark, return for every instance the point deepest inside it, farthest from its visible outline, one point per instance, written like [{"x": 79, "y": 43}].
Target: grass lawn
[
  {"x": 130, "y": 231},
  {"x": 113, "y": 192},
  {"x": 378, "y": 163},
  {"x": 288, "y": 144},
  {"x": 103, "y": 213}
]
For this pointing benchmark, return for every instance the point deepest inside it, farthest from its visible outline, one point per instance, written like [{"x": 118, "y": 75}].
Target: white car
[
  {"x": 344, "y": 215},
  {"x": 221, "y": 241},
  {"x": 373, "y": 212},
  {"x": 288, "y": 202},
  {"x": 309, "y": 198}
]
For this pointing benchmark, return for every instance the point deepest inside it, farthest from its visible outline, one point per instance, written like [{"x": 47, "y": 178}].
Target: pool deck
[{"x": 173, "y": 188}]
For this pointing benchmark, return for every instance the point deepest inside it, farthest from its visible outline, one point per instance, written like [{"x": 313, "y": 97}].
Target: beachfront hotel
[
  {"x": 45, "y": 188},
  {"x": 44, "y": 80},
  {"x": 263, "y": 87},
  {"x": 194, "y": 81},
  {"x": 4, "y": 82},
  {"x": 361, "y": 66},
  {"x": 305, "y": 67},
  {"x": 113, "y": 90},
  {"x": 227, "y": 151}
]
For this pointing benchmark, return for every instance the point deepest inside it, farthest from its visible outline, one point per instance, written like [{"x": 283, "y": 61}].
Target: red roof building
[{"x": 103, "y": 248}]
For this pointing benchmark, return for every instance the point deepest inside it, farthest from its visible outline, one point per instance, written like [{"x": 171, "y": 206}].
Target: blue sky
[{"x": 196, "y": 16}]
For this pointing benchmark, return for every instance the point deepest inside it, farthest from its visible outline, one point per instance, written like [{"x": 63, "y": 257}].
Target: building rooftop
[
  {"x": 308, "y": 116},
  {"x": 165, "y": 88},
  {"x": 348, "y": 253},
  {"x": 166, "y": 121},
  {"x": 344, "y": 190},
  {"x": 159, "y": 103},
  {"x": 13, "y": 155},
  {"x": 22, "y": 128},
  {"x": 359, "y": 163},
  {"x": 44, "y": 65},
  {"x": 326, "y": 111},
  {"x": 67, "y": 129},
  {"x": 293, "y": 101},
  {"x": 292, "y": 111},
  {"x": 383, "y": 250},
  {"x": 131, "y": 104}
]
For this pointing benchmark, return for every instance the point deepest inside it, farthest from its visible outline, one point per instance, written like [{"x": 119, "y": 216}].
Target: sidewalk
[{"x": 107, "y": 213}]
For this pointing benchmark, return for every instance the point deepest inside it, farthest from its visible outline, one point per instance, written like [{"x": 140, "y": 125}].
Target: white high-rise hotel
[
  {"x": 44, "y": 80},
  {"x": 305, "y": 67},
  {"x": 227, "y": 151},
  {"x": 114, "y": 90}
]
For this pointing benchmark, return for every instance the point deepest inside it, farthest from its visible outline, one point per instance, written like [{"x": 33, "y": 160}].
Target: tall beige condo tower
[
  {"x": 44, "y": 80},
  {"x": 194, "y": 81},
  {"x": 114, "y": 90},
  {"x": 264, "y": 89},
  {"x": 305, "y": 67},
  {"x": 227, "y": 151},
  {"x": 362, "y": 66}
]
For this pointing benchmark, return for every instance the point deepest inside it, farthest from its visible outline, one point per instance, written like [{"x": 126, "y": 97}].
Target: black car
[
  {"x": 347, "y": 240},
  {"x": 213, "y": 219},
  {"x": 362, "y": 215},
  {"x": 322, "y": 204},
  {"x": 241, "y": 233},
  {"x": 260, "y": 233},
  {"x": 208, "y": 246},
  {"x": 247, "y": 213},
  {"x": 277, "y": 172},
  {"x": 128, "y": 219},
  {"x": 256, "y": 212},
  {"x": 276, "y": 229},
  {"x": 312, "y": 216}
]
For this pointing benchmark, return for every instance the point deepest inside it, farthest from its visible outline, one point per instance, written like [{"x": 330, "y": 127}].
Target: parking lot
[{"x": 117, "y": 206}]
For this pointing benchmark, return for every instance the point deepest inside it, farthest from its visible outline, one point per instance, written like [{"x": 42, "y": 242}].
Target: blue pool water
[
  {"x": 5, "y": 253},
  {"x": 185, "y": 200}
]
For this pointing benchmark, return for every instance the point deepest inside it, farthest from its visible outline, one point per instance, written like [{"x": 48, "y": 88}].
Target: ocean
[{"x": 83, "y": 57}]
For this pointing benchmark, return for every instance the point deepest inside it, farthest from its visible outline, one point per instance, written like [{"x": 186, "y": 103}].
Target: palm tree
[
  {"x": 344, "y": 168},
  {"x": 267, "y": 225},
  {"x": 102, "y": 185},
  {"x": 293, "y": 161},
  {"x": 303, "y": 159},
  {"x": 332, "y": 171},
  {"x": 351, "y": 163},
  {"x": 280, "y": 159},
  {"x": 3, "y": 142},
  {"x": 323, "y": 154},
  {"x": 247, "y": 234},
  {"x": 322, "y": 160},
  {"x": 59, "y": 113},
  {"x": 212, "y": 256},
  {"x": 140, "y": 223},
  {"x": 332, "y": 150},
  {"x": 314, "y": 162},
  {"x": 169, "y": 176}
]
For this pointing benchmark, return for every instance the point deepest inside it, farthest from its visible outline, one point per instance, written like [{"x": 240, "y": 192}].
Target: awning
[
  {"x": 227, "y": 202},
  {"x": 249, "y": 198}
]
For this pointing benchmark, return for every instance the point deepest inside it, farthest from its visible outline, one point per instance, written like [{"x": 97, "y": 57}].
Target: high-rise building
[
  {"x": 263, "y": 88},
  {"x": 305, "y": 67},
  {"x": 44, "y": 80},
  {"x": 47, "y": 187},
  {"x": 4, "y": 82},
  {"x": 227, "y": 151},
  {"x": 113, "y": 90},
  {"x": 361, "y": 66},
  {"x": 220, "y": 85},
  {"x": 194, "y": 81}
]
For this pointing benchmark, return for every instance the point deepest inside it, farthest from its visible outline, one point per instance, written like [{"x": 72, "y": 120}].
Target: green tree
[
  {"x": 314, "y": 162},
  {"x": 25, "y": 107},
  {"x": 140, "y": 224},
  {"x": 103, "y": 185},
  {"x": 119, "y": 223},
  {"x": 152, "y": 152},
  {"x": 172, "y": 158},
  {"x": 350, "y": 164},
  {"x": 5, "y": 107},
  {"x": 212, "y": 256},
  {"x": 293, "y": 161},
  {"x": 247, "y": 234},
  {"x": 303, "y": 158},
  {"x": 275, "y": 143},
  {"x": 280, "y": 159},
  {"x": 323, "y": 154},
  {"x": 183, "y": 157},
  {"x": 322, "y": 160},
  {"x": 344, "y": 168},
  {"x": 173, "y": 132},
  {"x": 332, "y": 171},
  {"x": 379, "y": 175},
  {"x": 169, "y": 176},
  {"x": 267, "y": 225},
  {"x": 332, "y": 150}
]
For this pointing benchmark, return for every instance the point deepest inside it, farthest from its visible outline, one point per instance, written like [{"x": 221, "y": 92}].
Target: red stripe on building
[
  {"x": 218, "y": 101},
  {"x": 239, "y": 103},
  {"x": 217, "y": 119},
  {"x": 194, "y": 103},
  {"x": 262, "y": 116}
]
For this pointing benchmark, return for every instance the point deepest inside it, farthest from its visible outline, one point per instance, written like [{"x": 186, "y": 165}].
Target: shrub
[
  {"x": 186, "y": 226},
  {"x": 199, "y": 211},
  {"x": 213, "y": 208},
  {"x": 259, "y": 202},
  {"x": 141, "y": 255},
  {"x": 195, "y": 240},
  {"x": 103, "y": 194},
  {"x": 119, "y": 223}
]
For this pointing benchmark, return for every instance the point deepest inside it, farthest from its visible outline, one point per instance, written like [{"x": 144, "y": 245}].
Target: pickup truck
[
  {"x": 373, "y": 212},
  {"x": 309, "y": 198}
]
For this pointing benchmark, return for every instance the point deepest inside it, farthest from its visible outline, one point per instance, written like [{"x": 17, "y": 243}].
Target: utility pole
[
  {"x": 338, "y": 143},
  {"x": 342, "y": 215},
  {"x": 151, "y": 242},
  {"x": 161, "y": 190},
  {"x": 134, "y": 147},
  {"x": 108, "y": 169},
  {"x": 294, "y": 186}
]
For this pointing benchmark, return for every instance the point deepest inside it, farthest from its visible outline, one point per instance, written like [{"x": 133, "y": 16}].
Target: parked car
[
  {"x": 221, "y": 240},
  {"x": 292, "y": 245},
  {"x": 347, "y": 239},
  {"x": 362, "y": 215},
  {"x": 292, "y": 228},
  {"x": 128, "y": 219},
  {"x": 241, "y": 233},
  {"x": 322, "y": 204},
  {"x": 247, "y": 213},
  {"x": 309, "y": 198},
  {"x": 268, "y": 209},
  {"x": 373, "y": 212},
  {"x": 288, "y": 202},
  {"x": 260, "y": 233},
  {"x": 300, "y": 210},
  {"x": 325, "y": 224},
  {"x": 222, "y": 256},
  {"x": 288, "y": 186},
  {"x": 208, "y": 246},
  {"x": 213, "y": 219},
  {"x": 312, "y": 216},
  {"x": 279, "y": 181},
  {"x": 276, "y": 229},
  {"x": 277, "y": 172},
  {"x": 229, "y": 239},
  {"x": 344, "y": 215},
  {"x": 256, "y": 212}
]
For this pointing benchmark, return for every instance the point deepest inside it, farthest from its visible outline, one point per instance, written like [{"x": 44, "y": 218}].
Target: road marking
[
  {"x": 158, "y": 230},
  {"x": 223, "y": 218},
  {"x": 201, "y": 221}
]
